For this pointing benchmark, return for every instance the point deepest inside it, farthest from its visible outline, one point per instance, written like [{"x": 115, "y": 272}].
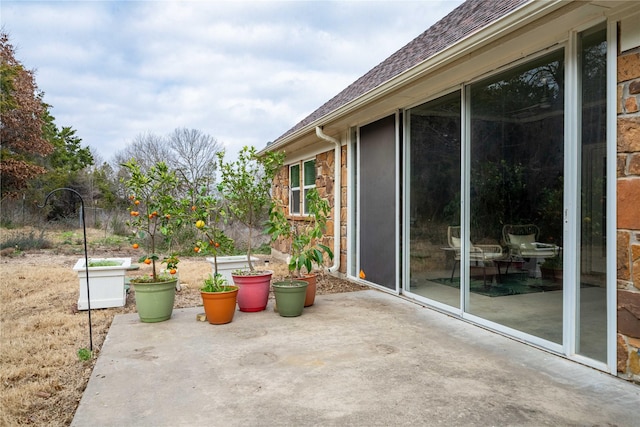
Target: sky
[{"x": 243, "y": 72}]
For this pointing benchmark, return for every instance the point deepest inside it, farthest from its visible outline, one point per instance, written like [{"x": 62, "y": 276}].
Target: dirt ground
[{"x": 41, "y": 331}]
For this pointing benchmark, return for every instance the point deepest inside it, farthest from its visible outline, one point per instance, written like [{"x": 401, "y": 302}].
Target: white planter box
[
  {"x": 228, "y": 264},
  {"x": 106, "y": 283}
]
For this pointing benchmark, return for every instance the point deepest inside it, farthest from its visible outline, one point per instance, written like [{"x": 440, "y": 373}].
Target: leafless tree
[
  {"x": 190, "y": 152},
  {"x": 194, "y": 157},
  {"x": 147, "y": 148}
]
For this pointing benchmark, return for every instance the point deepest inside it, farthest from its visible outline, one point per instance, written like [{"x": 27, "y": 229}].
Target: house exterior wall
[
  {"x": 627, "y": 186},
  {"x": 628, "y": 214},
  {"x": 325, "y": 181}
]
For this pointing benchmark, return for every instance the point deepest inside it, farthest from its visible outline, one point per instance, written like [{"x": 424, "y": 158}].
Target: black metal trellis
[{"x": 86, "y": 256}]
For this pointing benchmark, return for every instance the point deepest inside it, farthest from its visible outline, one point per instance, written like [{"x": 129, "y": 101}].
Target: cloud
[{"x": 242, "y": 72}]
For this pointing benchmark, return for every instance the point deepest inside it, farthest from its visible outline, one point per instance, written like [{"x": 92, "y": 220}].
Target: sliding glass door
[
  {"x": 434, "y": 200},
  {"x": 506, "y": 200},
  {"x": 516, "y": 197},
  {"x": 591, "y": 294}
]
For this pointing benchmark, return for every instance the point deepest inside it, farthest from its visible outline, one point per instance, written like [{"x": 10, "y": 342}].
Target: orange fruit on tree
[
  {"x": 172, "y": 271},
  {"x": 147, "y": 261},
  {"x": 196, "y": 249},
  {"x": 137, "y": 202},
  {"x": 217, "y": 245},
  {"x": 193, "y": 208},
  {"x": 136, "y": 246}
]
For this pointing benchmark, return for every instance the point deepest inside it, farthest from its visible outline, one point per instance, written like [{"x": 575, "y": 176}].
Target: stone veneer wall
[
  {"x": 325, "y": 167},
  {"x": 628, "y": 218},
  {"x": 280, "y": 191}
]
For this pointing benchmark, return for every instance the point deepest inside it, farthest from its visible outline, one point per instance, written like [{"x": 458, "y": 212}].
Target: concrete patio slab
[{"x": 361, "y": 359}]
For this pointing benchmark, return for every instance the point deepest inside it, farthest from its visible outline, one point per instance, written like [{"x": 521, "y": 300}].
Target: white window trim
[
  {"x": 292, "y": 189},
  {"x": 612, "y": 197},
  {"x": 303, "y": 198},
  {"x": 302, "y": 188}
]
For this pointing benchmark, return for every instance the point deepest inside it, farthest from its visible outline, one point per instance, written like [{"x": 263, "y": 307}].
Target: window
[{"x": 302, "y": 178}]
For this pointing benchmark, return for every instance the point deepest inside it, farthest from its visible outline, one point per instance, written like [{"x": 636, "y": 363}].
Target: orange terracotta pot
[
  {"x": 220, "y": 306},
  {"x": 311, "y": 289}
]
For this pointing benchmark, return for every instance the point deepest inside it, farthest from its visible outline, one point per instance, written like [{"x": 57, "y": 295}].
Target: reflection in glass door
[
  {"x": 516, "y": 198},
  {"x": 434, "y": 199},
  {"x": 591, "y": 294}
]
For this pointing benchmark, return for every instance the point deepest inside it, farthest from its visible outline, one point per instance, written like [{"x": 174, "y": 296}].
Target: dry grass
[{"x": 41, "y": 331}]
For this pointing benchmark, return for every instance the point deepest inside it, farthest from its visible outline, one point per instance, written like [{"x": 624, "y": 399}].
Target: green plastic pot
[
  {"x": 154, "y": 301},
  {"x": 290, "y": 297}
]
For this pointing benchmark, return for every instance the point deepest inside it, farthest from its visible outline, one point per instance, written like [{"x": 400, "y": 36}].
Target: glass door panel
[
  {"x": 516, "y": 197},
  {"x": 591, "y": 294},
  {"x": 434, "y": 199}
]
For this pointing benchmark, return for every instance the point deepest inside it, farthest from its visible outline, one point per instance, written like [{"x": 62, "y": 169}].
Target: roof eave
[{"x": 519, "y": 17}]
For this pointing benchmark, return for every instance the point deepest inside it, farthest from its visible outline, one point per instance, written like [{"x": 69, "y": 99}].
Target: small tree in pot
[
  {"x": 218, "y": 296},
  {"x": 154, "y": 217},
  {"x": 246, "y": 186},
  {"x": 304, "y": 235}
]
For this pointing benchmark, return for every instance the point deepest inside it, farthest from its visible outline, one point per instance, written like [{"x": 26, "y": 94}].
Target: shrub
[
  {"x": 119, "y": 226},
  {"x": 26, "y": 242}
]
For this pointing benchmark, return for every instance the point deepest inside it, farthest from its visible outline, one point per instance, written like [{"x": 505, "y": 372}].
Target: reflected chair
[
  {"x": 522, "y": 243},
  {"x": 484, "y": 254}
]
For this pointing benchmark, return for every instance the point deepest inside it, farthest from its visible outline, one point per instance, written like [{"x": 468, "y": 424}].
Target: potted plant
[
  {"x": 246, "y": 184},
  {"x": 290, "y": 296},
  {"x": 304, "y": 235},
  {"x": 219, "y": 299},
  {"x": 106, "y": 281},
  {"x": 154, "y": 218}
]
